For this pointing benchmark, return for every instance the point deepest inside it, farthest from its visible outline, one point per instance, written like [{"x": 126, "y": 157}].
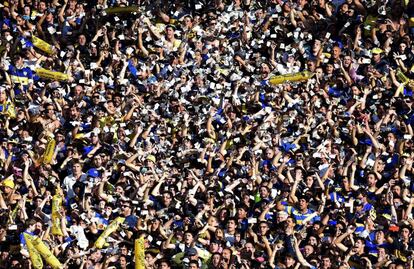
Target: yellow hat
[
  {"x": 8, "y": 183},
  {"x": 151, "y": 158},
  {"x": 377, "y": 51}
]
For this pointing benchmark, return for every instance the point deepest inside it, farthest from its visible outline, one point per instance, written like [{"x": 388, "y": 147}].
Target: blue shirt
[
  {"x": 22, "y": 240},
  {"x": 299, "y": 216},
  {"x": 20, "y": 76}
]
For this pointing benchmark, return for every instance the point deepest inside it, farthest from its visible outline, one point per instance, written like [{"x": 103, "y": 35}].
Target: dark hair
[
  {"x": 30, "y": 222},
  {"x": 194, "y": 262},
  {"x": 164, "y": 261}
]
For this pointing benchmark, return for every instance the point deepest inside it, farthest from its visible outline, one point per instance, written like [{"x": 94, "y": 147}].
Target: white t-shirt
[{"x": 68, "y": 183}]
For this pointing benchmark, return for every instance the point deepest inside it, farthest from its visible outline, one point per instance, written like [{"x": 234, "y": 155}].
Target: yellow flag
[
  {"x": 34, "y": 255},
  {"x": 56, "y": 207},
  {"x": 140, "y": 253},
  {"x": 42, "y": 45},
  {"x": 46, "y": 253},
  {"x": 301, "y": 76},
  {"x": 50, "y": 150},
  {"x": 112, "y": 227},
  {"x": 49, "y": 74}
]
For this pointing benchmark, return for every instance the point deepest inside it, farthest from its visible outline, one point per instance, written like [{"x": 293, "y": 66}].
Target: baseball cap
[
  {"x": 8, "y": 183},
  {"x": 190, "y": 252},
  {"x": 377, "y": 51}
]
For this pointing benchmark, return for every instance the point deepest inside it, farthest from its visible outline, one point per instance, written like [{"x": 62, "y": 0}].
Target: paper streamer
[
  {"x": 49, "y": 74},
  {"x": 139, "y": 253},
  {"x": 100, "y": 242},
  {"x": 295, "y": 77},
  {"x": 35, "y": 258},
  {"x": 42, "y": 45}
]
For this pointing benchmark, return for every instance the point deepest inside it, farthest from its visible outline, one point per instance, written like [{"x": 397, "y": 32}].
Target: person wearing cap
[
  {"x": 191, "y": 258},
  {"x": 380, "y": 64},
  {"x": 9, "y": 194},
  {"x": 8, "y": 185}
]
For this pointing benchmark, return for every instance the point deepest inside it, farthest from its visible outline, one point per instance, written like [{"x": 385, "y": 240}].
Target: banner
[
  {"x": 34, "y": 255},
  {"x": 139, "y": 253},
  {"x": 48, "y": 74},
  {"x": 100, "y": 242},
  {"x": 114, "y": 10},
  {"x": 42, "y": 45},
  {"x": 295, "y": 77}
]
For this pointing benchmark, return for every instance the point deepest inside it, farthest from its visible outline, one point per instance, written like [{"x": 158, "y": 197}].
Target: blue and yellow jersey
[
  {"x": 300, "y": 217},
  {"x": 8, "y": 109},
  {"x": 20, "y": 76}
]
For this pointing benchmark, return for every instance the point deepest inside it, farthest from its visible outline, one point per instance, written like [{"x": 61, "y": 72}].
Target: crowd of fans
[{"x": 170, "y": 119}]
